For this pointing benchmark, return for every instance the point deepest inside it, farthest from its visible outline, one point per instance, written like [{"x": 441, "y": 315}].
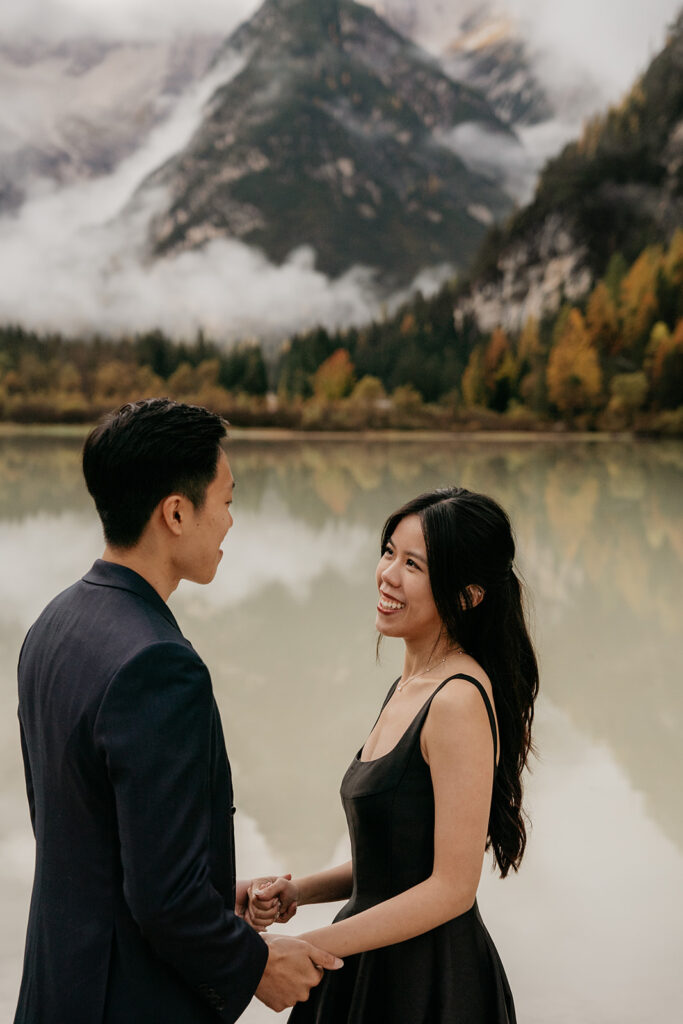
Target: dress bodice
[
  {"x": 389, "y": 806},
  {"x": 449, "y": 975}
]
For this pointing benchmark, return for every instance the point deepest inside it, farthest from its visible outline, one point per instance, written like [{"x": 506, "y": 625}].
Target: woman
[{"x": 437, "y": 783}]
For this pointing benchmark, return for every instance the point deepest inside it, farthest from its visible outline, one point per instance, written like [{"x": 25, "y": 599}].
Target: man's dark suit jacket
[{"x": 130, "y": 793}]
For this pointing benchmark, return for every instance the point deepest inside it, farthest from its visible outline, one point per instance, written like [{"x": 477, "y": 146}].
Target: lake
[{"x": 591, "y": 929}]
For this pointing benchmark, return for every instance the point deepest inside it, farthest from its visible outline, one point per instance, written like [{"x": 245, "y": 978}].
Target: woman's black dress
[{"x": 450, "y": 975}]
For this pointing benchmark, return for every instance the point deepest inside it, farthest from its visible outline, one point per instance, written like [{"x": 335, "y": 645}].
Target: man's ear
[
  {"x": 172, "y": 509},
  {"x": 476, "y": 594}
]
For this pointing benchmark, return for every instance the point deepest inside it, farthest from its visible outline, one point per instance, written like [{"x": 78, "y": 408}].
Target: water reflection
[{"x": 287, "y": 629}]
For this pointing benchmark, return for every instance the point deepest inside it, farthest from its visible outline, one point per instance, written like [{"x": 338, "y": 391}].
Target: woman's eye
[{"x": 412, "y": 564}]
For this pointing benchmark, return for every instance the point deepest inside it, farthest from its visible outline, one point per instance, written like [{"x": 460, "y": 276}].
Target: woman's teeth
[{"x": 390, "y": 605}]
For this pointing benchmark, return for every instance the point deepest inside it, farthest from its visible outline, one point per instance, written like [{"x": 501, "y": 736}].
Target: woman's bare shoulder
[{"x": 457, "y": 710}]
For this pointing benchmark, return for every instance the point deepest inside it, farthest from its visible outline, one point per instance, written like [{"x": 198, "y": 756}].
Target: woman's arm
[
  {"x": 276, "y": 899},
  {"x": 457, "y": 744},
  {"x": 326, "y": 886}
]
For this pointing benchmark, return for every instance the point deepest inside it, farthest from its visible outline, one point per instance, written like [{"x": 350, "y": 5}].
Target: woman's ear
[{"x": 475, "y": 593}]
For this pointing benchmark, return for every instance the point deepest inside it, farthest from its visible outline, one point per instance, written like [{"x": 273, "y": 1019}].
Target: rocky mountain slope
[
  {"x": 73, "y": 110},
  {"x": 617, "y": 189},
  {"x": 332, "y": 136},
  {"x": 478, "y": 45},
  {"x": 491, "y": 56}
]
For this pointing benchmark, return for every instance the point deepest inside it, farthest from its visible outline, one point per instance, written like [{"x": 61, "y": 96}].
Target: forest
[{"x": 613, "y": 362}]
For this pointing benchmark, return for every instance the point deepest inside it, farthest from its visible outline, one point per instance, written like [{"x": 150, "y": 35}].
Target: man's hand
[{"x": 293, "y": 968}]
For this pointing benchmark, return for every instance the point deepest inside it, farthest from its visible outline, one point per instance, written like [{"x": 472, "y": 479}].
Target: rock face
[
  {"x": 534, "y": 275},
  {"x": 331, "y": 136},
  {"x": 73, "y": 110},
  {"x": 618, "y": 189},
  {"x": 491, "y": 57},
  {"x": 480, "y": 46}
]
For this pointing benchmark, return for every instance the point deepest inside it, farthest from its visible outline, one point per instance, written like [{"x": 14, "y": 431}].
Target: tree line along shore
[{"x": 611, "y": 362}]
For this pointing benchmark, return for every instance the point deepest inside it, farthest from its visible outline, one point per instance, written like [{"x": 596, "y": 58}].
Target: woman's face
[{"x": 406, "y": 606}]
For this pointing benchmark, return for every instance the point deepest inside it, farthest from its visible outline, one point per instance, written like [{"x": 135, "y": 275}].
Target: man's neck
[{"x": 146, "y": 564}]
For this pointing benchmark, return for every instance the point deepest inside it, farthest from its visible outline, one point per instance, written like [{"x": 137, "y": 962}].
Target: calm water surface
[{"x": 591, "y": 930}]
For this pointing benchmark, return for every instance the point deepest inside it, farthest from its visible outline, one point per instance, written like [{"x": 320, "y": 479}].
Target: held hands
[
  {"x": 293, "y": 968},
  {"x": 269, "y": 900}
]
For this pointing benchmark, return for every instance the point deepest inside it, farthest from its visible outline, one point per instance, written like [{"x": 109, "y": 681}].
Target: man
[{"x": 132, "y": 916}]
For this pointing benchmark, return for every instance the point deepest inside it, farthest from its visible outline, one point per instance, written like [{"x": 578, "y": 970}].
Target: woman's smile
[{"x": 388, "y": 605}]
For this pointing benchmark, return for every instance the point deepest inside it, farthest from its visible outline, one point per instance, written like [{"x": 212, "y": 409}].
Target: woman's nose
[{"x": 388, "y": 574}]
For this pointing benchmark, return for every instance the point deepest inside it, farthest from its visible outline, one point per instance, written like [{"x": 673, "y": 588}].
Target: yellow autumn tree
[
  {"x": 408, "y": 324},
  {"x": 531, "y": 366},
  {"x": 602, "y": 320},
  {"x": 495, "y": 351},
  {"x": 69, "y": 378},
  {"x": 500, "y": 370},
  {"x": 473, "y": 390},
  {"x": 665, "y": 364},
  {"x": 114, "y": 380},
  {"x": 183, "y": 381},
  {"x": 657, "y": 347},
  {"x": 334, "y": 377},
  {"x": 638, "y": 297},
  {"x": 628, "y": 392},
  {"x": 368, "y": 391},
  {"x": 529, "y": 345},
  {"x": 573, "y": 375},
  {"x": 673, "y": 260}
]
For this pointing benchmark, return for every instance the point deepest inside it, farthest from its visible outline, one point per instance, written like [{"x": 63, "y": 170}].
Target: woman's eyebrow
[
  {"x": 410, "y": 554},
  {"x": 414, "y": 554}
]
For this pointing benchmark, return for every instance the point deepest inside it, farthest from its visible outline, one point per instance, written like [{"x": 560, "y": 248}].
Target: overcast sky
[
  {"x": 612, "y": 38},
  {"x": 72, "y": 242}
]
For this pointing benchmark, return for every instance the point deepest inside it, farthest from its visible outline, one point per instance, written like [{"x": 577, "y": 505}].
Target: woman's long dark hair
[{"x": 469, "y": 540}]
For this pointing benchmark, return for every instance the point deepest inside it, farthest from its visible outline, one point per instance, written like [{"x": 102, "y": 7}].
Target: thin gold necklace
[{"x": 423, "y": 672}]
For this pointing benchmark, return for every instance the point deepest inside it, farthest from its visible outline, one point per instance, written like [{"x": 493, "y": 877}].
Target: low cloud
[
  {"x": 62, "y": 273},
  {"x": 514, "y": 162},
  {"x": 608, "y": 42},
  {"x": 611, "y": 42},
  {"x": 73, "y": 262},
  {"x": 121, "y": 19}
]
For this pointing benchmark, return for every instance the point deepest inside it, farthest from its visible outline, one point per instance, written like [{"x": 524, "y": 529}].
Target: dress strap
[
  {"x": 487, "y": 705},
  {"x": 388, "y": 697},
  {"x": 392, "y": 690}
]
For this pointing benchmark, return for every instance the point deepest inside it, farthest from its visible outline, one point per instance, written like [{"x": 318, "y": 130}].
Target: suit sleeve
[
  {"x": 154, "y": 728},
  {"x": 28, "y": 774},
  {"x": 29, "y": 778}
]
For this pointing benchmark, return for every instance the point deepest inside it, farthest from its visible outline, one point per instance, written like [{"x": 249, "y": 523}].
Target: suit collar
[{"x": 109, "y": 574}]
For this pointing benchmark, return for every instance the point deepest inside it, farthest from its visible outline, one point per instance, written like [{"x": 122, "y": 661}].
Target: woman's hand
[{"x": 271, "y": 899}]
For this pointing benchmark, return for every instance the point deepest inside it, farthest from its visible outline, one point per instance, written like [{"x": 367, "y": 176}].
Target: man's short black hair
[{"x": 143, "y": 452}]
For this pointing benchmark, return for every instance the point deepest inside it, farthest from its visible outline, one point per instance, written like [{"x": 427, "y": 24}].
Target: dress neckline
[
  {"x": 456, "y": 675},
  {"x": 403, "y": 735}
]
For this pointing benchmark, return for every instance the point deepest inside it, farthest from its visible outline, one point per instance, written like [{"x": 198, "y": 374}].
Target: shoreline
[{"x": 284, "y": 435}]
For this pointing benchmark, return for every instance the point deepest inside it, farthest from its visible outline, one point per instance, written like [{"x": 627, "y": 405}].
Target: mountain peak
[
  {"x": 309, "y": 21},
  {"x": 334, "y": 134}
]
